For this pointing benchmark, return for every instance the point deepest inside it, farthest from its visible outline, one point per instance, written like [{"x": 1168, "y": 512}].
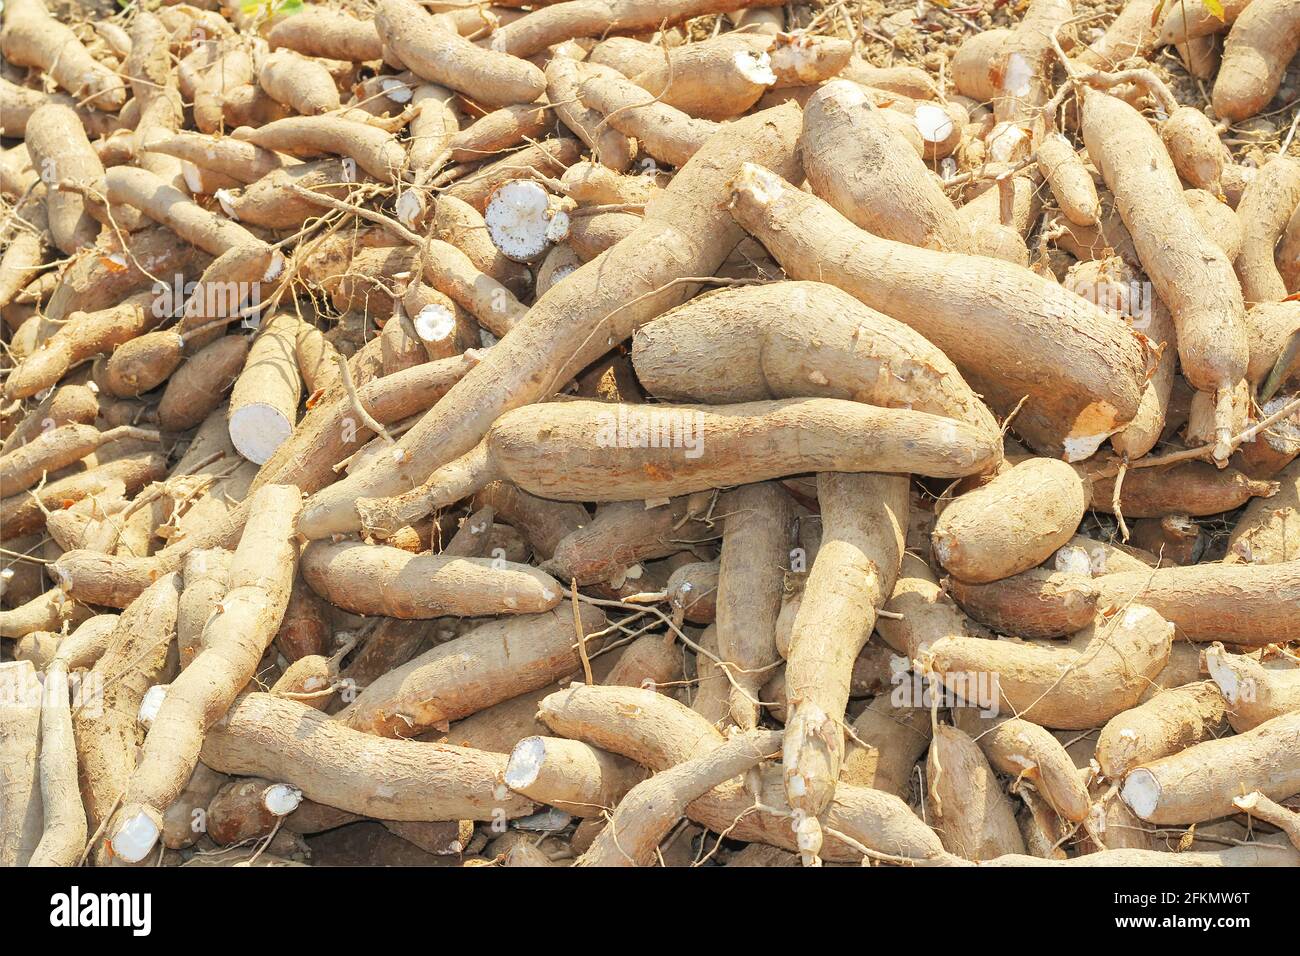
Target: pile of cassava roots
[{"x": 650, "y": 433}]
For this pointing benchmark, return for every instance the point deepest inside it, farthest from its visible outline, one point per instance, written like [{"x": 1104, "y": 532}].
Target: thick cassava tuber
[
  {"x": 743, "y": 345},
  {"x": 687, "y": 448},
  {"x": 1011, "y": 524},
  {"x": 489, "y": 664},
  {"x": 497, "y": 457},
  {"x": 375, "y": 579},
  {"x": 1103, "y": 670},
  {"x": 1019, "y": 313}
]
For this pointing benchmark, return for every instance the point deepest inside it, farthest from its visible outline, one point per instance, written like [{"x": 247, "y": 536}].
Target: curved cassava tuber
[
  {"x": 562, "y": 450},
  {"x": 330, "y": 763},
  {"x": 1104, "y": 670},
  {"x": 376, "y": 579},
  {"x": 797, "y": 339},
  {"x": 491, "y": 663},
  {"x": 940, "y": 294}
]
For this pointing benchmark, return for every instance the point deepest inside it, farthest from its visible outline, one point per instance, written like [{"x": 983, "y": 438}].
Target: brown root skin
[
  {"x": 206, "y": 574},
  {"x": 155, "y": 93},
  {"x": 925, "y": 612},
  {"x": 1026, "y": 752},
  {"x": 1200, "y": 782},
  {"x": 1189, "y": 272},
  {"x": 1250, "y": 605},
  {"x": 243, "y": 809},
  {"x": 566, "y": 330},
  {"x": 33, "y": 37},
  {"x": 1102, "y": 671},
  {"x": 317, "y": 31},
  {"x": 374, "y": 579},
  {"x": 135, "y": 660},
  {"x": 555, "y": 23},
  {"x": 1258, "y": 854},
  {"x": 885, "y": 745},
  {"x": 298, "y": 82},
  {"x": 975, "y": 820},
  {"x": 620, "y": 535},
  {"x": 59, "y": 148},
  {"x": 422, "y": 43},
  {"x": 896, "y": 197},
  {"x": 229, "y": 157},
  {"x": 660, "y": 733},
  {"x": 271, "y": 203},
  {"x": 1263, "y": 40},
  {"x": 1167, "y": 723},
  {"x": 1012, "y": 524},
  {"x": 373, "y": 150},
  {"x": 1178, "y": 539},
  {"x": 576, "y": 466},
  {"x": 1268, "y": 531},
  {"x": 649, "y": 662},
  {"x": 864, "y": 518},
  {"x": 24, "y": 512},
  {"x": 20, "y": 720},
  {"x": 1195, "y": 149},
  {"x": 19, "y": 102},
  {"x": 812, "y": 241},
  {"x": 57, "y": 448},
  {"x": 609, "y": 147},
  {"x": 46, "y": 611},
  {"x": 84, "y": 335},
  {"x": 543, "y": 523},
  {"x": 757, "y": 534},
  {"x": 260, "y": 578},
  {"x": 1189, "y": 488},
  {"x": 1130, "y": 34},
  {"x": 1111, "y": 283},
  {"x": 439, "y": 686},
  {"x": 1070, "y": 182},
  {"x": 715, "y": 79},
  {"x": 1036, "y": 603},
  {"x": 64, "y": 835},
  {"x": 1183, "y": 23},
  {"x": 330, "y": 763},
  {"x": 496, "y": 132},
  {"x": 167, "y": 205},
  {"x": 666, "y": 133},
  {"x": 196, "y": 388},
  {"x": 1266, "y": 206},
  {"x": 650, "y": 809},
  {"x": 570, "y": 775},
  {"x": 1253, "y": 693},
  {"x": 693, "y": 590}
]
